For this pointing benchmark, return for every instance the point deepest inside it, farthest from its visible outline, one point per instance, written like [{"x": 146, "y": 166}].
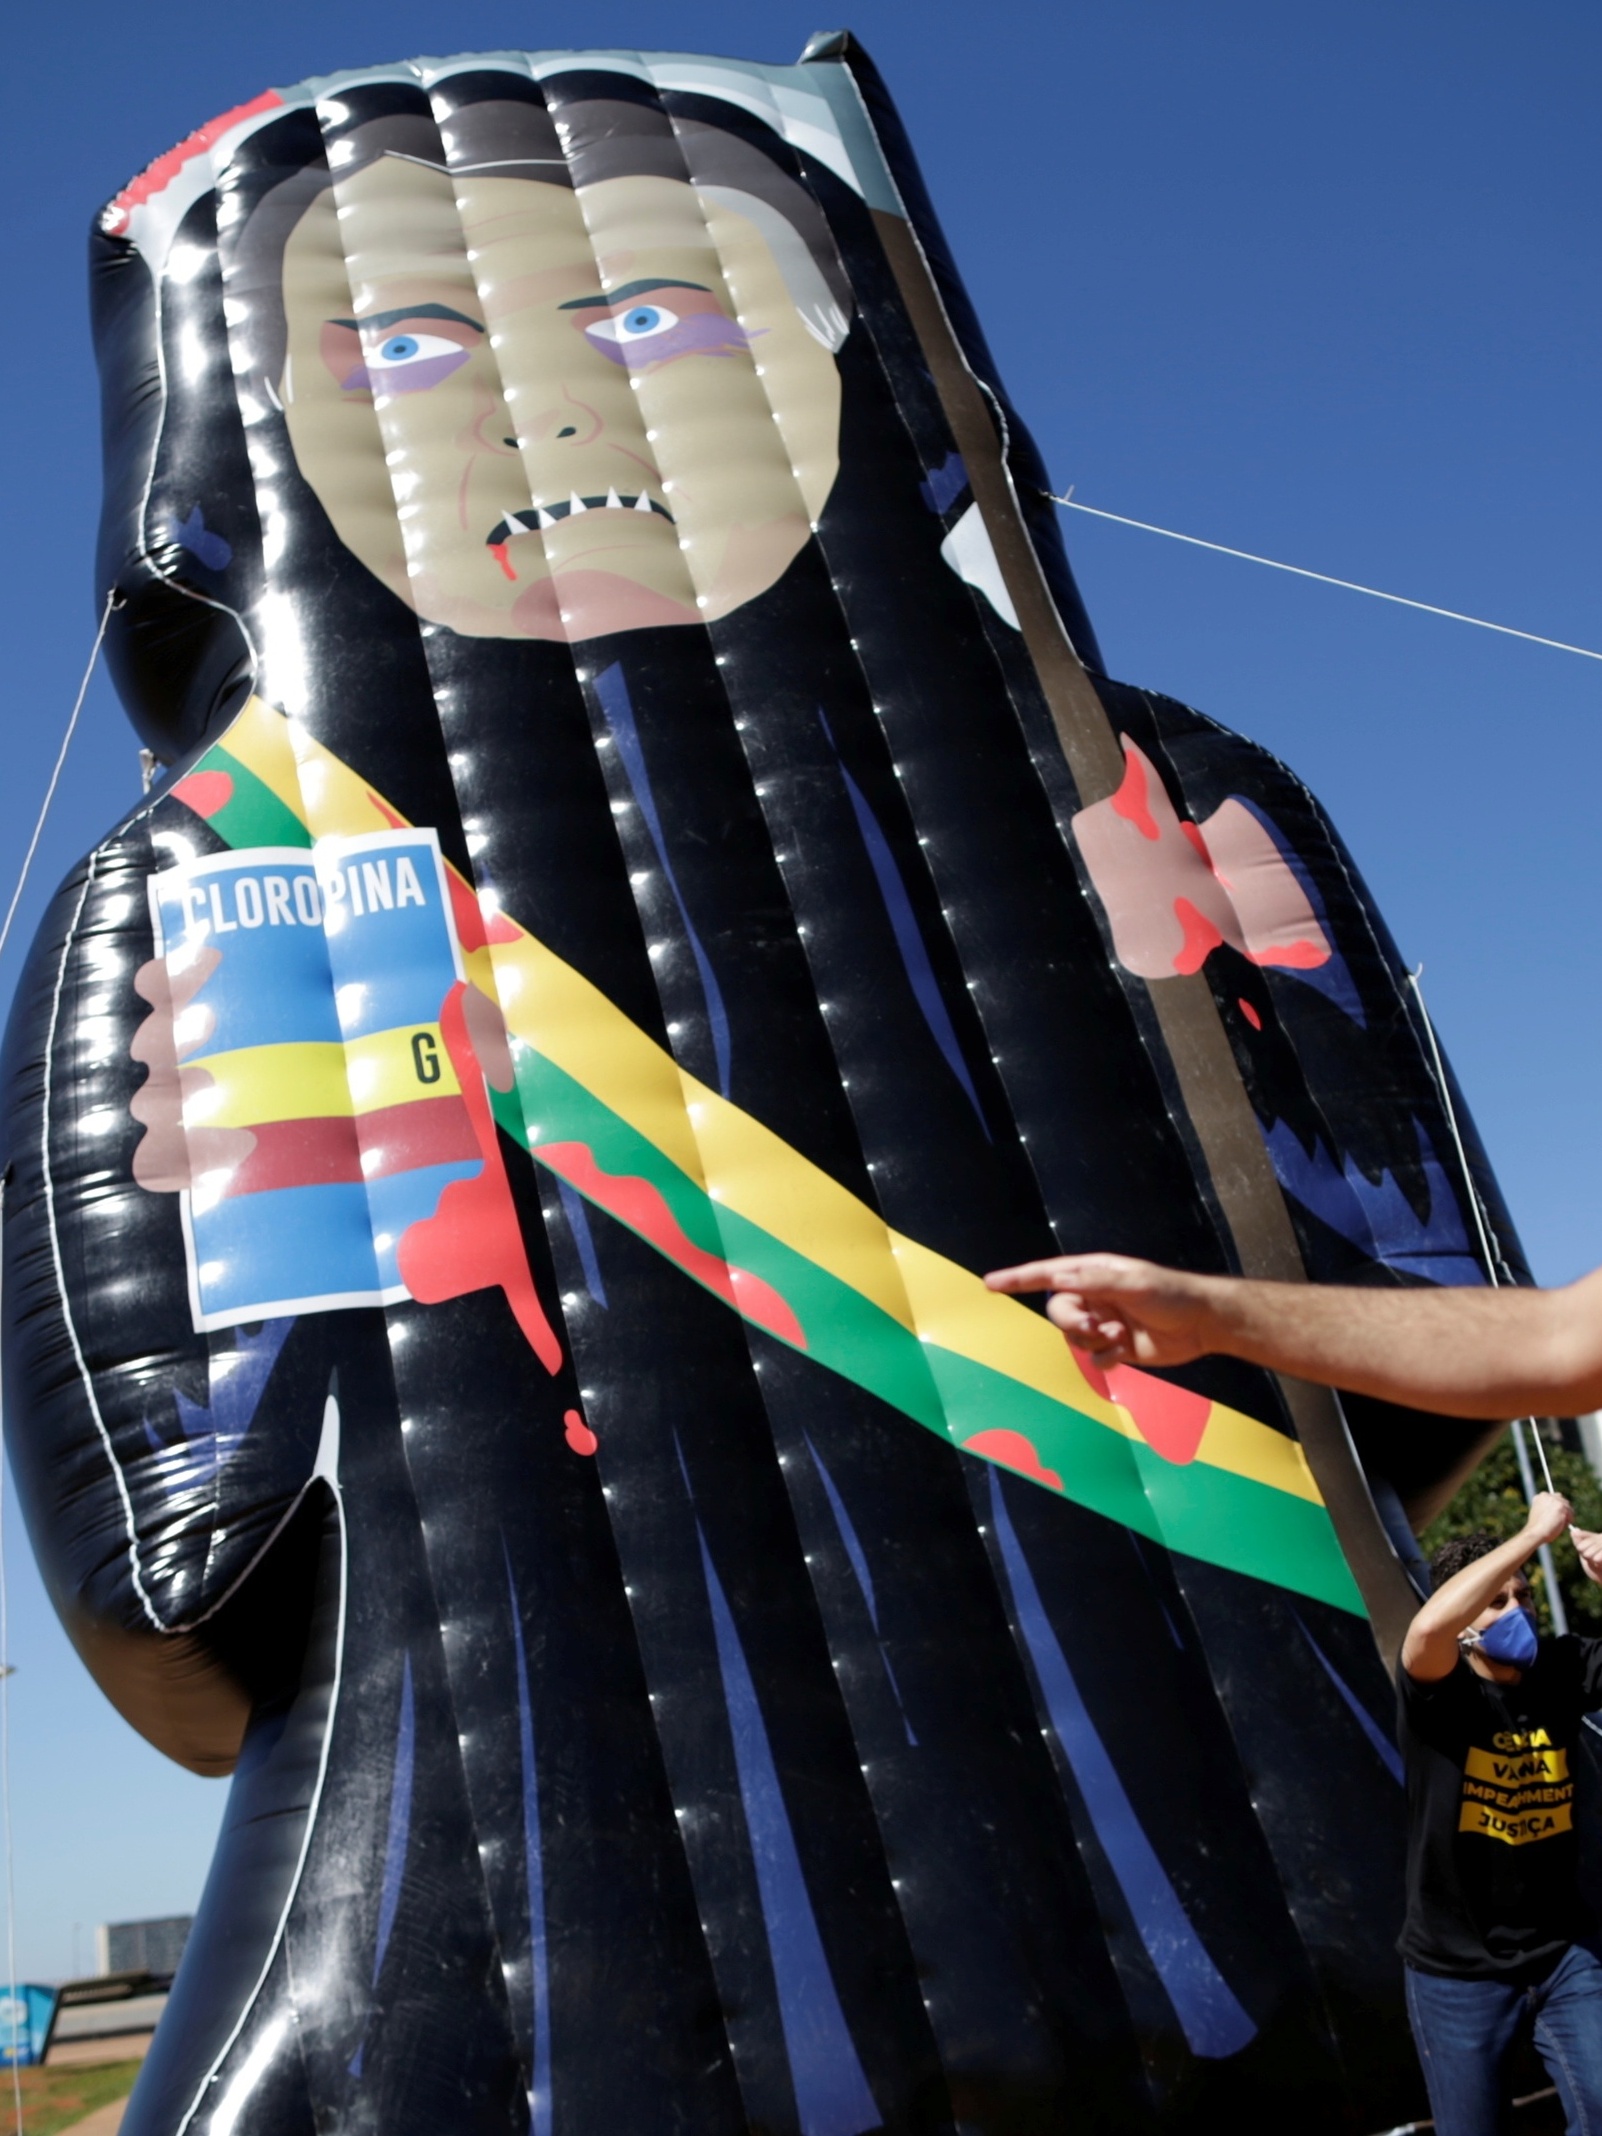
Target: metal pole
[{"x": 1554, "y": 1596}]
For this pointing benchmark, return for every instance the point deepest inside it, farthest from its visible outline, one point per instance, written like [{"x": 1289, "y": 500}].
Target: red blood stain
[
  {"x": 473, "y": 931},
  {"x": 1250, "y": 1014},
  {"x": 205, "y": 791},
  {"x": 635, "y": 1202},
  {"x": 165, "y": 168},
  {"x": 1170, "y": 1419},
  {"x": 577, "y": 1433},
  {"x": 1301, "y": 956},
  {"x": 1130, "y": 799},
  {"x": 1093, "y": 1373},
  {"x": 1012, "y": 1450},
  {"x": 1201, "y": 937},
  {"x": 498, "y": 551},
  {"x": 472, "y": 1241},
  {"x": 473, "y": 928}
]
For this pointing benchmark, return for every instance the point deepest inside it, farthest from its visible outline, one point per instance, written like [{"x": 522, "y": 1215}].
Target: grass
[{"x": 53, "y": 2099}]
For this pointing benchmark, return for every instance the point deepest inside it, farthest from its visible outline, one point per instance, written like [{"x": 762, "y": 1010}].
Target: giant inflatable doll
[{"x": 652, "y": 893}]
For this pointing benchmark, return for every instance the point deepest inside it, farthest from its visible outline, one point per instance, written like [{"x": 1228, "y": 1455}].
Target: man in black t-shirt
[{"x": 1497, "y": 1939}]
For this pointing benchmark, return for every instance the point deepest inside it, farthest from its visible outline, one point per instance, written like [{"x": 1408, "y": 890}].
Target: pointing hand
[{"x": 1118, "y": 1310}]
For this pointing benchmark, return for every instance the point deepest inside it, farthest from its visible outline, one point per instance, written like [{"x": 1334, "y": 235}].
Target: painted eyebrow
[
  {"x": 630, "y": 289},
  {"x": 412, "y": 311}
]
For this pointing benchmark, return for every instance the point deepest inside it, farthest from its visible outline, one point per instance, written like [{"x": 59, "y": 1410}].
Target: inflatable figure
[{"x": 652, "y": 893}]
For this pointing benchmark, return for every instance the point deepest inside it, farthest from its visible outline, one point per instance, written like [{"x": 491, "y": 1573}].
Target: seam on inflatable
[
  {"x": 875, "y": 1808},
  {"x": 427, "y": 84},
  {"x": 733, "y": 711},
  {"x": 537, "y": 532},
  {"x": 326, "y": 1469},
  {"x": 581, "y": 677},
  {"x": 582, "y": 686},
  {"x": 441, "y": 1615},
  {"x": 469, "y": 873},
  {"x": 886, "y": 371}
]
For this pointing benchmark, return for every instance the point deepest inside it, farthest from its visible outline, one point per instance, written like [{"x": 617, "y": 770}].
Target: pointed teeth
[
  {"x": 575, "y": 504},
  {"x": 642, "y": 503},
  {"x": 614, "y": 503},
  {"x": 545, "y": 518}
]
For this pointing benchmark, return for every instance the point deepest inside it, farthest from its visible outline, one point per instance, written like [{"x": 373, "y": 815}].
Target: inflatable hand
[{"x": 171, "y": 1154}]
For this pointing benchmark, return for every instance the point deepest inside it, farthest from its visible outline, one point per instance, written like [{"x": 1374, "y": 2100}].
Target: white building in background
[{"x": 142, "y": 1946}]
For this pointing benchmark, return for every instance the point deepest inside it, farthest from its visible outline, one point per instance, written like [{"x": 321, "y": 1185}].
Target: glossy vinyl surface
[{"x": 504, "y": 1141}]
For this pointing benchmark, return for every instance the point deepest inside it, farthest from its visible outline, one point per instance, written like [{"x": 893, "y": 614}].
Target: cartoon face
[{"x": 535, "y": 413}]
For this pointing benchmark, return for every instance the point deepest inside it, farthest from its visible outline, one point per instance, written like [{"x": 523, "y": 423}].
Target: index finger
[{"x": 1027, "y": 1276}]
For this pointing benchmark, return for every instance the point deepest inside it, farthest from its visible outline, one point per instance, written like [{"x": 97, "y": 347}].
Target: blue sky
[{"x": 1318, "y": 281}]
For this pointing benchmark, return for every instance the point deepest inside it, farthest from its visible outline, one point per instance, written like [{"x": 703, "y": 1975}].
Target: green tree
[{"x": 1493, "y": 1498}]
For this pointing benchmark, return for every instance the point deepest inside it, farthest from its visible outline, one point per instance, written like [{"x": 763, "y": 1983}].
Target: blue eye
[
  {"x": 398, "y": 350},
  {"x": 639, "y": 323},
  {"x": 407, "y": 363}
]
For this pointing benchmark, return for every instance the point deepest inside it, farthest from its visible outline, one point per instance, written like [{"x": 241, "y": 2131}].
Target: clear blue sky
[{"x": 1320, "y": 281}]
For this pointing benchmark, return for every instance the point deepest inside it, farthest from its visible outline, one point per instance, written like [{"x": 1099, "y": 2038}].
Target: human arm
[
  {"x": 1588, "y": 1549},
  {"x": 1462, "y": 1353},
  {"x": 1430, "y": 1649}
]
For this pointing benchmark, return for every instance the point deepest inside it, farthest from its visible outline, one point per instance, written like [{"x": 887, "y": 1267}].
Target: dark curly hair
[{"x": 1461, "y": 1550}]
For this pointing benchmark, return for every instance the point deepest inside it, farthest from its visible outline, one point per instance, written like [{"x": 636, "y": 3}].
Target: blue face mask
[{"x": 1510, "y": 1639}]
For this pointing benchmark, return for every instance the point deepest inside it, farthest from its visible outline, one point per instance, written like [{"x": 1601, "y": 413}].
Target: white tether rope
[
  {"x": 1401, "y": 600},
  {"x": 55, "y": 776}
]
